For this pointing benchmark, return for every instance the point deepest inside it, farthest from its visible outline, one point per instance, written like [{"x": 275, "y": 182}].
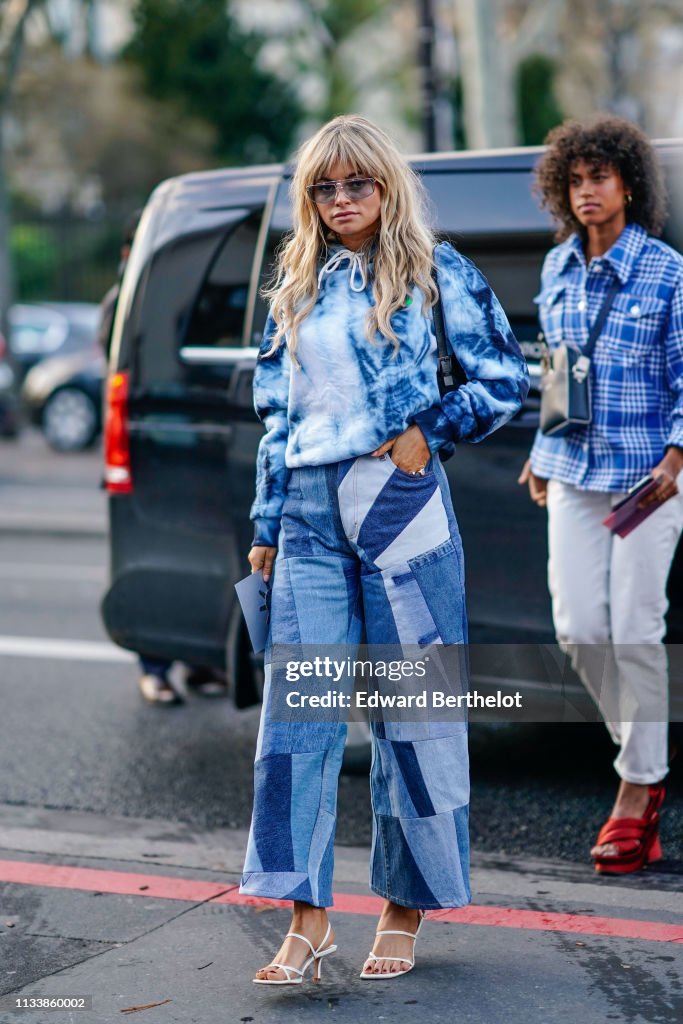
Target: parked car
[
  {"x": 63, "y": 397},
  {"x": 181, "y": 434},
  {"x": 9, "y": 405},
  {"x": 41, "y": 330}
]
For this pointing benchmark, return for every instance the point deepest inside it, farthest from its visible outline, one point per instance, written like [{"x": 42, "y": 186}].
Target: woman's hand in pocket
[
  {"x": 538, "y": 486},
  {"x": 261, "y": 557},
  {"x": 409, "y": 450}
]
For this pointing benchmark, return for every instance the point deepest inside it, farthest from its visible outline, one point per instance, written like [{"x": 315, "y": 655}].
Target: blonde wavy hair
[{"x": 404, "y": 242}]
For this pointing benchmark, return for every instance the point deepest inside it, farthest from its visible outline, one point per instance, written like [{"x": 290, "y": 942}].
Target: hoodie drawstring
[{"x": 358, "y": 267}]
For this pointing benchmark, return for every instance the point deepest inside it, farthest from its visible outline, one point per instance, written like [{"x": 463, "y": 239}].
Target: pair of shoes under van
[
  {"x": 157, "y": 689},
  {"x": 206, "y": 682}
]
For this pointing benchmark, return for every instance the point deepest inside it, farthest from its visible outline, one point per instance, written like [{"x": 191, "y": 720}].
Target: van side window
[{"x": 217, "y": 318}]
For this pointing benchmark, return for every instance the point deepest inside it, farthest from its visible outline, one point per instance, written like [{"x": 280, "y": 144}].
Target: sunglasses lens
[
  {"x": 324, "y": 193},
  {"x": 359, "y": 188},
  {"x": 354, "y": 188}
]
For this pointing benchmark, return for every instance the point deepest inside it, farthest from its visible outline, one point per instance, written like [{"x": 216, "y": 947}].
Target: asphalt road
[{"x": 115, "y": 817}]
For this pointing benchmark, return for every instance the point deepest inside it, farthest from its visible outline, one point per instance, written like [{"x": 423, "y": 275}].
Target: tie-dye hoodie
[{"x": 349, "y": 396}]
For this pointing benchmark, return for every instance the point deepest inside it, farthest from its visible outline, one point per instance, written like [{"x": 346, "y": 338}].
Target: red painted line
[
  {"x": 546, "y": 921},
  {"x": 122, "y": 883},
  {"x": 496, "y": 917},
  {"x": 196, "y": 891}
]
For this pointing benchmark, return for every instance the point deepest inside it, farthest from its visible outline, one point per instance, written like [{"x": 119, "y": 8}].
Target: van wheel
[{"x": 243, "y": 668}]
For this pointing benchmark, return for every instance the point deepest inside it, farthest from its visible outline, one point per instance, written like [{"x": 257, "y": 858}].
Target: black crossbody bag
[
  {"x": 566, "y": 401},
  {"x": 450, "y": 374}
]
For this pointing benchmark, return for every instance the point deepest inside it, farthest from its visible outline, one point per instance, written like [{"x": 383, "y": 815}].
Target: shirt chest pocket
[
  {"x": 634, "y": 325},
  {"x": 550, "y": 302}
]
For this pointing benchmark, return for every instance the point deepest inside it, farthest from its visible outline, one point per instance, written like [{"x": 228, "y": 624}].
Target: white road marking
[
  {"x": 77, "y": 573},
  {"x": 65, "y": 650}
]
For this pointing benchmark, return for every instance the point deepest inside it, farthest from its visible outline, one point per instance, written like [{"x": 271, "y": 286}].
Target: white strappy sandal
[
  {"x": 315, "y": 958},
  {"x": 394, "y": 974}
]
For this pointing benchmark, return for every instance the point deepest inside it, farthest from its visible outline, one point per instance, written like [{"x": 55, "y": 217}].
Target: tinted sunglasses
[{"x": 354, "y": 188}]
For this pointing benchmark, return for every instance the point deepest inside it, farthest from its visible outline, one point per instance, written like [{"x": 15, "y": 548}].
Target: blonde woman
[{"x": 352, "y": 498}]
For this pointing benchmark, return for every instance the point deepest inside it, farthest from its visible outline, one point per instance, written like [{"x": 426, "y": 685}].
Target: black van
[{"x": 181, "y": 435}]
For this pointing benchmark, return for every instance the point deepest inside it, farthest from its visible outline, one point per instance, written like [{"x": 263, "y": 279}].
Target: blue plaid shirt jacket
[{"x": 637, "y": 364}]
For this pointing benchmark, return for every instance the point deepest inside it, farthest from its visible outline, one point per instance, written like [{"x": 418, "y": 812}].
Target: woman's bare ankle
[
  {"x": 308, "y": 913},
  {"x": 394, "y": 910},
  {"x": 631, "y": 801},
  {"x": 310, "y": 921}
]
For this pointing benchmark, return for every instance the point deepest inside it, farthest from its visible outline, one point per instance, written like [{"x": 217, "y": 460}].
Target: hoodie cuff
[
  {"x": 431, "y": 423},
  {"x": 266, "y": 531}
]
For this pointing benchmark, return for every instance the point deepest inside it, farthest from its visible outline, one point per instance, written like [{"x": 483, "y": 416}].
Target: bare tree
[
  {"x": 332, "y": 24},
  {"x": 613, "y": 59},
  {"x": 495, "y": 36}
]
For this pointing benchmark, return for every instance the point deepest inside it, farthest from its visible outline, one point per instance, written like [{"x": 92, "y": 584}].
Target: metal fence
[{"x": 65, "y": 257}]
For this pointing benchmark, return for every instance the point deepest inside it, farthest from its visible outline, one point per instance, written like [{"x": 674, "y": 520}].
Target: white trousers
[{"x": 609, "y": 602}]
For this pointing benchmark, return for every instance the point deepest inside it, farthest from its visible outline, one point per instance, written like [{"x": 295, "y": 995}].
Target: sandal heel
[{"x": 655, "y": 851}]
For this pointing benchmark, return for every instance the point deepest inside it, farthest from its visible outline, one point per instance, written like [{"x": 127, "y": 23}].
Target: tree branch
[
  {"x": 536, "y": 22},
  {"x": 15, "y": 48}
]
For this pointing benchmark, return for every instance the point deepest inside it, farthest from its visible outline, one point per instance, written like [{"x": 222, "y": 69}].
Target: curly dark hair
[{"x": 604, "y": 140}]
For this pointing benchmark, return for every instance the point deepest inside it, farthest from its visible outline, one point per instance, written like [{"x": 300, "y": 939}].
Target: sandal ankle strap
[{"x": 297, "y": 935}]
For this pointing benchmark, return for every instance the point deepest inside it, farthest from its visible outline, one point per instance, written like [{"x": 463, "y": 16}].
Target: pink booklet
[{"x": 626, "y": 515}]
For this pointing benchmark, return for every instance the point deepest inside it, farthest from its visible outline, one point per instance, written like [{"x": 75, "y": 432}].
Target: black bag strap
[
  {"x": 599, "y": 322},
  {"x": 450, "y": 373}
]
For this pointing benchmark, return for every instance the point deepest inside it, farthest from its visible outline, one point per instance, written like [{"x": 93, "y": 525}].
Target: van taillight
[{"x": 117, "y": 475}]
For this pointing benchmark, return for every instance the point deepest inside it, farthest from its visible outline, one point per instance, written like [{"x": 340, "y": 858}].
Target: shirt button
[
  {"x": 582, "y": 305},
  {"x": 597, "y": 267},
  {"x": 635, "y": 310}
]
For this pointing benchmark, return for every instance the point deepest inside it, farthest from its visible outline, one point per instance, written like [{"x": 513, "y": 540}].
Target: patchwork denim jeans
[{"x": 365, "y": 548}]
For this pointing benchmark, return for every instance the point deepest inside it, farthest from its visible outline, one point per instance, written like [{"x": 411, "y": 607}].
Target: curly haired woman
[
  {"x": 352, "y": 498},
  {"x": 602, "y": 184}
]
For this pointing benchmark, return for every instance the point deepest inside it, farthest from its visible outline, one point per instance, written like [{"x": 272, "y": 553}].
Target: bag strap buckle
[{"x": 580, "y": 369}]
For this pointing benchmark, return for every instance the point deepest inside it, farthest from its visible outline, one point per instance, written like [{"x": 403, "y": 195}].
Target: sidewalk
[{"x": 140, "y": 912}]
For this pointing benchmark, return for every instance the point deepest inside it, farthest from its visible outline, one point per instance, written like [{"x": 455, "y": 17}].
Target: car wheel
[{"x": 70, "y": 420}]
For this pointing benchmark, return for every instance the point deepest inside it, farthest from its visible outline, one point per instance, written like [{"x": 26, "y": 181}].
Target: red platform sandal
[{"x": 636, "y": 839}]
